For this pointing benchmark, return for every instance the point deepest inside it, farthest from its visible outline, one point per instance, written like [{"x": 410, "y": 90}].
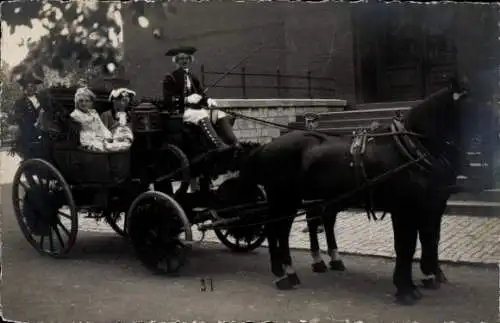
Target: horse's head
[{"x": 439, "y": 117}]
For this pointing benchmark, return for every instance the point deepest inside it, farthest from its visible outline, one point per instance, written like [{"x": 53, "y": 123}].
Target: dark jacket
[
  {"x": 26, "y": 117},
  {"x": 173, "y": 90}
]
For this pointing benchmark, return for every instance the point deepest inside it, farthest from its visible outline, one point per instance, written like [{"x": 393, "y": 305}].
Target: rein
[
  {"x": 321, "y": 133},
  {"x": 370, "y": 183}
]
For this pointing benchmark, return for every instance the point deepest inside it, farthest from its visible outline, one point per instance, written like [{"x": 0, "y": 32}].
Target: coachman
[{"x": 182, "y": 91}]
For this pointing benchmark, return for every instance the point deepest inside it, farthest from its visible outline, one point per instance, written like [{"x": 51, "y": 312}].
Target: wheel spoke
[
  {"x": 31, "y": 181},
  {"x": 63, "y": 227},
  {"x": 24, "y": 186},
  {"x": 51, "y": 240},
  {"x": 42, "y": 239},
  {"x": 64, "y": 215},
  {"x": 58, "y": 234}
]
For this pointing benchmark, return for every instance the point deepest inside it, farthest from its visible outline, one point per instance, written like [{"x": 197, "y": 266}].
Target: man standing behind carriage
[
  {"x": 27, "y": 110},
  {"x": 183, "y": 91}
]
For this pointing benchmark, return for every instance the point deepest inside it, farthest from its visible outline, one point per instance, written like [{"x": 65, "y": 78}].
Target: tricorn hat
[
  {"x": 189, "y": 50},
  {"x": 29, "y": 78}
]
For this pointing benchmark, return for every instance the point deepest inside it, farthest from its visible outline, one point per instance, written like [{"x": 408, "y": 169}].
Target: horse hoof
[
  {"x": 294, "y": 279},
  {"x": 441, "y": 277},
  {"x": 284, "y": 284},
  {"x": 430, "y": 283},
  {"x": 319, "y": 267},
  {"x": 337, "y": 265},
  {"x": 406, "y": 298}
]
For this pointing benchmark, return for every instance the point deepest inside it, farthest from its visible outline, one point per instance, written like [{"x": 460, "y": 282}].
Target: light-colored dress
[
  {"x": 122, "y": 135},
  {"x": 95, "y": 136},
  {"x": 93, "y": 133}
]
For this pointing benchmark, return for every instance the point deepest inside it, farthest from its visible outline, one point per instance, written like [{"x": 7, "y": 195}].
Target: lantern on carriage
[
  {"x": 146, "y": 118},
  {"x": 311, "y": 120}
]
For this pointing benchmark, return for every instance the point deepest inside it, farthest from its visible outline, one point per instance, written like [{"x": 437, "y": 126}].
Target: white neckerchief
[
  {"x": 34, "y": 100},
  {"x": 187, "y": 79}
]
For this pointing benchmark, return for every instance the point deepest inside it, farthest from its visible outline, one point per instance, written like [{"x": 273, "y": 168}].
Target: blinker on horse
[{"x": 405, "y": 170}]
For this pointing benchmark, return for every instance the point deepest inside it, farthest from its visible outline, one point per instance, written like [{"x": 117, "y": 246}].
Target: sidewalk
[{"x": 463, "y": 238}]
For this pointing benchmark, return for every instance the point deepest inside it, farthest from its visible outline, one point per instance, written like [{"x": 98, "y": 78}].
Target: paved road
[
  {"x": 464, "y": 238},
  {"x": 103, "y": 282}
]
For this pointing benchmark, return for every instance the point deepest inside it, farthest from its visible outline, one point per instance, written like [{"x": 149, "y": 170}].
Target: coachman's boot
[
  {"x": 225, "y": 131},
  {"x": 211, "y": 134}
]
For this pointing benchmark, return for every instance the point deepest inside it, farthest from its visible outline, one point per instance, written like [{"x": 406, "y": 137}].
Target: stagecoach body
[{"x": 146, "y": 187}]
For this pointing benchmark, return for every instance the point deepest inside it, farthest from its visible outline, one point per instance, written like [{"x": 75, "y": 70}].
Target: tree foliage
[
  {"x": 11, "y": 91},
  {"x": 78, "y": 31}
]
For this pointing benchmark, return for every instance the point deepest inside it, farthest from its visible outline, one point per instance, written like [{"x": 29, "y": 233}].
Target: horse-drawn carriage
[
  {"x": 408, "y": 169},
  {"x": 147, "y": 187}
]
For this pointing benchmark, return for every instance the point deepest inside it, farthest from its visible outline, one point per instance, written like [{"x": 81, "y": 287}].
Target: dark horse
[{"x": 407, "y": 164}]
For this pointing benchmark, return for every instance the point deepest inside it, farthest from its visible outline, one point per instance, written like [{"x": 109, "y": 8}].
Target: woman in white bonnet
[
  {"x": 116, "y": 119},
  {"x": 93, "y": 133}
]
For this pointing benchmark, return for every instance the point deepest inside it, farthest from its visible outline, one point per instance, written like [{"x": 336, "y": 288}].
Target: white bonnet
[
  {"x": 84, "y": 92},
  {"x": 116, "y": 93}
]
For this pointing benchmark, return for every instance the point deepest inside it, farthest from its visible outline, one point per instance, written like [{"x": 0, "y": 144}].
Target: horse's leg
[
  {"x": 405, "y": 241},
  {"x": 440, "y": 276},
  {"x": 313, "y": 217},
  {"x": 284, "y": 246},
  {"x": 272, "y": 234},
  {"x": 429, "y": 235},
  {"x": 329, "y": 220}
]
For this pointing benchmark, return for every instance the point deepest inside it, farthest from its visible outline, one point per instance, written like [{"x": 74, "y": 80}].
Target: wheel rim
[
  {"x": 116, "y": 221},
  {"x": 44, "y": 208},
  {"x": 176, "y": 164},
  {"x": 249, "y": 236},
  {"x": 158, "y": 229},
  {"x": 245, "y": 243}
]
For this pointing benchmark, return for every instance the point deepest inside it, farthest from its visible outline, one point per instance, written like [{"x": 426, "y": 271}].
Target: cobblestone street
[{"x": 464, "y": 239}]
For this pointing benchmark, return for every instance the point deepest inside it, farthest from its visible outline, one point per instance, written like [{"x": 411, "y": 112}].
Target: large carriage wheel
[
  {"x": 238, "y": 238},
  {"x": 155, "y": 225},
  {"x": 177, "y": 167},
  {"x": 44, "y": 207}
]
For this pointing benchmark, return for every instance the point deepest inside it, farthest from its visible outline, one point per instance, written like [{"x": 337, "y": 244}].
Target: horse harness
[
  {"x": 357, "y": 152},
  {"x": 410, "y": 148}
]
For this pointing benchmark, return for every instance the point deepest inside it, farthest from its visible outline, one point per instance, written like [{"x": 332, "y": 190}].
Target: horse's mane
[{"x": 427, "y": 109}]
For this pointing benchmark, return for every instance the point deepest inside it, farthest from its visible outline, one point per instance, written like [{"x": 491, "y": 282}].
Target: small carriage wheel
[
  {"x": 112, "y": 219},
  {"x": 38, "y": 210},
  {"x": 183, "y": 173},
  {"x": 155, "y": 222},
  {"x": 239, "y": 244}
]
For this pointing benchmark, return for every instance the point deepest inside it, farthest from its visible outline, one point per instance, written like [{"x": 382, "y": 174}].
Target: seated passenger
[
  {"x": 94, "y": 135},
  {"x": 93, "y": 132},
  {"x": 116, "y": 119}
]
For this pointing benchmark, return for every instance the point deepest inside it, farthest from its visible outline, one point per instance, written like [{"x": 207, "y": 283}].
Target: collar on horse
[
  {"x": 407, "y": 144},
  {"x": 411, "y": 147}
]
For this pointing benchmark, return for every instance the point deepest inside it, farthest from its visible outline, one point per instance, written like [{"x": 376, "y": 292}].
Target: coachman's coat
[{"x": 173, "y": 90}]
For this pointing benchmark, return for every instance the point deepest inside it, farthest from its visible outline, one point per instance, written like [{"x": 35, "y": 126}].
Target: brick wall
[{"x": 281, "y": 111}]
